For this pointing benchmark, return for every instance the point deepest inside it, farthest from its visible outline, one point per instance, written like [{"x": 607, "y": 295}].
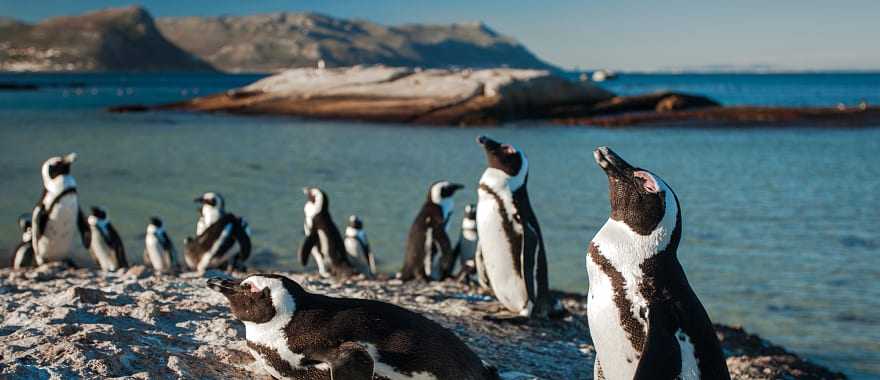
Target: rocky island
[{"x": 63, "y": 323}]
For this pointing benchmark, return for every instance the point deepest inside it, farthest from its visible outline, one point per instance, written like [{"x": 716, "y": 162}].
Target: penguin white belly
[
  {"x": 156, "y": 254},
  {"x": 356, "y": 255},
  {"x": 507, "y": 283},
  {"x": 613, "y": 349},
  {"x": 322, "y": 258},
  {"x": 690, "y": 369},
  {"x": 388, "y": 371},
  {"x": 61, "y": 238},
  {"x": 20, "y": 254},
  {"x": 105, "y": 255}
]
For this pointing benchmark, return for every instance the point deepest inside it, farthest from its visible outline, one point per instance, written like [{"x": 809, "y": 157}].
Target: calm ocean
[{"x": 781, "y": 227}]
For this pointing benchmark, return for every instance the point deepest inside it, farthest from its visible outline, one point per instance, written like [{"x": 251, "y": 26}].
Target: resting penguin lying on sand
[
  {"x": 645, "y": 320},
  {"x": 300, "y": 335}
]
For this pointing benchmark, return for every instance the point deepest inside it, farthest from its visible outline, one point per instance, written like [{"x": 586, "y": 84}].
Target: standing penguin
[
  {"x": 358, "y": 247},
  {"x": 511, "y": 245},
  {"x": 159, "y": 252},
  {"x": 219, "y": 233},
  {"x": 106, "y": 248},
  {"x": 428, "y": 250},
  {"x": 23, "y": 255},
  {"x": 645, "y": 320},
  {"x": 323, "y": 240},
  {"x": 466, "y": 248},
  {"x": 59, "y": 226}
]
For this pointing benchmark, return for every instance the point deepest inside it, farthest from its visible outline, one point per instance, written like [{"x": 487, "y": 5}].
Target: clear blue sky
[{"x": 622, "y": 34}]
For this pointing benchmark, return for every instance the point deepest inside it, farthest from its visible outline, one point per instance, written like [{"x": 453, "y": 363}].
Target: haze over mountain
[
  {"x": 120, "y": 39},
  {"x": 128, "y": 39},
  {"x": 278, "y": 41}
]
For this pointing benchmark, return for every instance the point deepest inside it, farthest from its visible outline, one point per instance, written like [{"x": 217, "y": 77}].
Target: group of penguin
[
  {"x": 57, "y": 227},
  {"x": 645, "y": 320}
]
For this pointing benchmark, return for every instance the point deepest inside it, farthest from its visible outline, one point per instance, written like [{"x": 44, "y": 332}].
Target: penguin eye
[{"x": 251, "y": 287}]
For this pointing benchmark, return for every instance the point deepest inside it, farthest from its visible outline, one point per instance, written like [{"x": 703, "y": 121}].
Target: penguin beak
[
  {"x": 611, "y": 163},
  {"x": 487, "y": 143},
  {"x": 225, "y": 287},
  {"x": 199, "y": 199},
  {"x": 456, "y": 186}
]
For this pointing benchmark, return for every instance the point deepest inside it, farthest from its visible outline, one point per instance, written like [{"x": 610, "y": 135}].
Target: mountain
[
  {"x": 273, "y": 42},
  {"x": 120, "y": 39}
]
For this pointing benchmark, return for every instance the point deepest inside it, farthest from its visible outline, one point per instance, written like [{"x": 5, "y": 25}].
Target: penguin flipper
[
  {"x": 85, "y": 233},
  {"x": 482, "y": 275},
  {"x": 244, "y": 240},
  {"x": 118, "y": 247},
  {"x": 447, "y": 259},
  {"x": 661, "y": 355},
  {"x": 349, "y": 361},
  {"x": 40, "y": 218},
  {"x": 305, "y": 250},
  {"x": 528, "y": 260}
]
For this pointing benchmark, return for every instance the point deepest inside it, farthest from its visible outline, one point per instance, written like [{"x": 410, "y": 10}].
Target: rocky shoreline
[{"x": 62, "y": 323}]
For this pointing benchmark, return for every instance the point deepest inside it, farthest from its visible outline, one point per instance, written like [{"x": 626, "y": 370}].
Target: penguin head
[
  {"x": 260, "y": 298},
  {"x": 98, "y": 215},
  {"x": 210, "y": 200},
  {"x": 442, "y": 191},
  {"x": 154, "y": 225},
  {"x": 24, "y": 222},
  {"x": 355, "y": 222},
  {"x": 507, "y": 159},
  {"x": 56, "y": 172},
  {"x": 638, "y": 197},
  {"x": 316, "y": 199}
]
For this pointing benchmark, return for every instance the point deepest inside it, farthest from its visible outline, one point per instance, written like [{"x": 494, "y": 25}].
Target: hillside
[
  {"x": 119, "y": 39},
  {"x": 273, "y": 42}
]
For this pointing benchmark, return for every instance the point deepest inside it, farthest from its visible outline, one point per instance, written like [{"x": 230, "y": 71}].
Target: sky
[{"x": 624, "y": 35}]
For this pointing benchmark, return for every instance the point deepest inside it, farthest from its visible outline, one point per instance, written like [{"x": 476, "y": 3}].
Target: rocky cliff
[
  {"x": 120, "y": 39},
  {"x": 274, "y": 42}
]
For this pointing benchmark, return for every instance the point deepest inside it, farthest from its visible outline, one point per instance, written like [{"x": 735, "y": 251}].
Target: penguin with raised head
[
  {"x": 645, "y": 320},
  {"x": 59, "y": 227},
  {"x": 300, "y": 335},
  {"x": 511, "y": 244},
  {"x": 23, "y": 255},
  {"x": 220, "y": 232},
  {"x": 322, "y": 239},
  {"x": 428, "y": 250},
  {"x": 159, "y": 252},
  {"x": 106, "y": 248},
  {"x": 466, "y": 248},
  {"x": 358, "y": 247}
]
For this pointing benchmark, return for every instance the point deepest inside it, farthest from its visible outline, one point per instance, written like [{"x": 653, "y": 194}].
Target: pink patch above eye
[
  {"x": 508, "y": 149},
  {"x": 254, "y": 288},
  {"x": 650, "y": 183}
]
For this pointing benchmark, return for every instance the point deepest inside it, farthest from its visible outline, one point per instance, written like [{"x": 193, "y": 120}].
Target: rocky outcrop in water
[
  {"x": 404, "y": 95},
  {"x": 58, "y": 323},
  {"x": 119, "y": 39}
]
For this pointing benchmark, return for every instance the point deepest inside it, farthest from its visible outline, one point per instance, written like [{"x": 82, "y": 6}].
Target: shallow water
[{"x": 781, "y": 228}]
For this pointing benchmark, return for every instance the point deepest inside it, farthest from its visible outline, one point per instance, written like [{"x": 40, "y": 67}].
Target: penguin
[
  {"x": 59, "y": 226},
  {"x": 322, "y": 239},
  {"x": 645, "y": 320},
  {"x": 211, "y": 208},
  {"x": 220, "y": 232},
  {"x": 301, "y": 335},
  {"x": 159, "y": 252},
  {"x": 106, "y": 248},
  {"x": 358, "y": 248},
  {"x": 428, "y": 250},
  {"x": 512, "y": 255},
  {"x": 23, "y": 254},
  {"x": 466, "y": 248}
]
